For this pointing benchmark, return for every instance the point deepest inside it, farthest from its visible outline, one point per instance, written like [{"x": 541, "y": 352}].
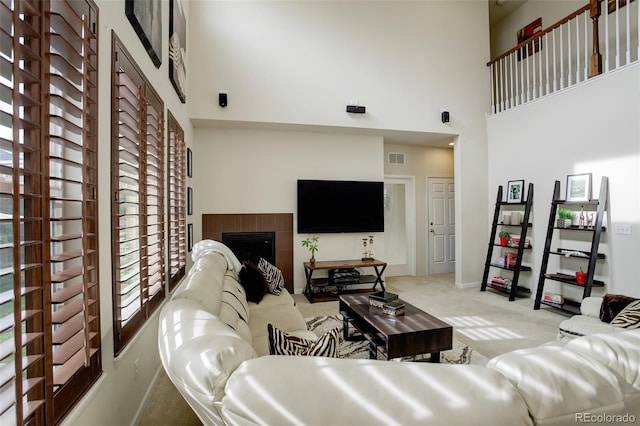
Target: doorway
[
  {"x": 441, "y": 222},
  {"x": 399, "y": 225}
]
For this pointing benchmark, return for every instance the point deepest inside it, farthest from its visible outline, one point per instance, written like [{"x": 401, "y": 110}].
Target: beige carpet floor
[{"x": 486, "y": 321}]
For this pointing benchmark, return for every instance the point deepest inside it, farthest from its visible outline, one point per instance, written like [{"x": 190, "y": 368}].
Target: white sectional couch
[
  {"x": 587, "y": 323},
  {"x": 217, "y": 359}
]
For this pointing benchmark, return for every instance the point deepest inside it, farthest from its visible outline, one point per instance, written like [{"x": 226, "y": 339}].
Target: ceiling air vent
[{"x": 395, "y": 158}]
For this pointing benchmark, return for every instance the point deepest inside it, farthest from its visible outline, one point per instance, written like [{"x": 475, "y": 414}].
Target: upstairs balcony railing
[{"x": 598, "y": 38}]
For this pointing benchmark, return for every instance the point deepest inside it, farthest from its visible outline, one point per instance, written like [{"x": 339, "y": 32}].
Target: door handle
[{"x": 431, "y": 230}]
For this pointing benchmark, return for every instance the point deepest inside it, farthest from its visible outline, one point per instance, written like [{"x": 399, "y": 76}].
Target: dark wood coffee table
[{"x": 414, "y": 333}]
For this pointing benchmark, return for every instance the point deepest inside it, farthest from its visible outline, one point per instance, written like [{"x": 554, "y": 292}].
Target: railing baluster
[
  {"x": 555, "y": 62},
  {"x": 511, "y": 80},
  {"x": 540, "y": 93},
  {"x": 586, "y": 47},
  {"x": 628, "y": 32},
  {"x": 493, "y": 85},
  {"x": 569, "y": 61},
  {"x": 546, "y": 49},
  {"x": 606, "y": 38},
  {"x": 617, "y": 35}
]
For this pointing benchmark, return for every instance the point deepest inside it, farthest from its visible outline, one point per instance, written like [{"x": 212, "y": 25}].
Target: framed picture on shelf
[
  {"x": 189, "y": 201},
  {"x": 579, "y": 187},
  {"x": 190, "y": 237},
  {"x": 515, "y": 191}
]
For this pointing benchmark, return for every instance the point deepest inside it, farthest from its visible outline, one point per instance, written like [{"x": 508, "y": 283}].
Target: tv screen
[{"x": 331, "y": 206}]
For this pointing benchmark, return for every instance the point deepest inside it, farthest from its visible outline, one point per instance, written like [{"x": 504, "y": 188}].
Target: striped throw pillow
[
  {"x": 273, "y": 276},
  {"x": 629, "y": 317},
  {"x": 281, "y": 343}
]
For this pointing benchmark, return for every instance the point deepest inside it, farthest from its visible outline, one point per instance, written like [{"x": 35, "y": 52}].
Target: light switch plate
[{"x": 623, "y": 228}]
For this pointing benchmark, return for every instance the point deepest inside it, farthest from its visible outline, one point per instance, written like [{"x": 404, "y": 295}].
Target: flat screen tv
[{"x": 334, "y": 206}]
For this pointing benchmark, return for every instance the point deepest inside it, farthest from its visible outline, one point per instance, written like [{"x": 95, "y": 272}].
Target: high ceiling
[{"x": 498, "y": 9}]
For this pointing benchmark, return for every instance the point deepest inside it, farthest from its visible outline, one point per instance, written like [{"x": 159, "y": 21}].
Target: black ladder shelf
[
  {"x": 600, "y": 206},
  {"x": 515, "y": 289}
]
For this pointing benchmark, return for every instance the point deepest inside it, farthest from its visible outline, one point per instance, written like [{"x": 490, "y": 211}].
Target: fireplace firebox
[{"x": 252, "y": 245}]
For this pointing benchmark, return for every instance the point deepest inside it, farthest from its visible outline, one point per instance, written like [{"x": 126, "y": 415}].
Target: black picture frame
[
  {"x": 579, "y": 187},
  {"x": 190, "y": 237},
  {"x": 189, "y": 201},
  {"x": 145, "y": 17},
  {"x": 177, "y": 49},
  {"x": 189, "y": 163},
  {"x": 515, "y": 191}
]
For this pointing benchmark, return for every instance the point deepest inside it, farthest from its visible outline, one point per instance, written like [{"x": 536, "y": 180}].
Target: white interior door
[
  {"x": 399, "y": 225},
  {"x": 441, "y": 225}
]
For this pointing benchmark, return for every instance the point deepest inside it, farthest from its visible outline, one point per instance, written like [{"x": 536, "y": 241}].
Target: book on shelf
[{"x": 554, "y": 298}]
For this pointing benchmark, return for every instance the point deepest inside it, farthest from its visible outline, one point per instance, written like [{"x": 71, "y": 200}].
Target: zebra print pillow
[
  {"x": 629, "y": 317},
  {"x": 273, "y": 276},
  {"x": 281, "y": 343}
]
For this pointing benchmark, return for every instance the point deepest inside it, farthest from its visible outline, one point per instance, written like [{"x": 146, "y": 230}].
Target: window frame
[
  {"x": 144, "y": 181},
  {"x": 176, "y": 200},
  {"x": 51, "y": 70}
]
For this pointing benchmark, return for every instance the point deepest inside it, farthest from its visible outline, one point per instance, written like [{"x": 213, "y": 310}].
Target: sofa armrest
[{"x": 590, "y": 306}]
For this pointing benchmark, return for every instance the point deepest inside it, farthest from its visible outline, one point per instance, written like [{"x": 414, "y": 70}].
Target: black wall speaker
[
  {"x": 222, "y": 99},
  {"x": 445, "y": 116}
]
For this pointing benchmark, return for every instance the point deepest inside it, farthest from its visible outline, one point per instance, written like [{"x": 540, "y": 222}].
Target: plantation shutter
[
  {"x": 49, "y": 333},
  {"x": 137, "y": 206},
  {"x": 23, "y": 341},
  {"x": 177, "y": 202},
  {"x": 73, "y": 207}
]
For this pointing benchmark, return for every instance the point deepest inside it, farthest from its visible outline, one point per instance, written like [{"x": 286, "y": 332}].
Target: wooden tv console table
[{"x": 315, "y": 286}]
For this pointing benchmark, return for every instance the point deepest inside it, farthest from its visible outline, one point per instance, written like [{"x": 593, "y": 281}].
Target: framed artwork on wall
[
  {"x": 190, "y": 237},
  {"x": 189, "y": 163},
  {"x": 189, "y": 201},
  {"x": 145, "y": 17},
  {"x": 579, "y": 187},
  {"x": 177, "y": 48},
  {"x": 515, "y": 191},
  {"x": 525, "y": 34}
]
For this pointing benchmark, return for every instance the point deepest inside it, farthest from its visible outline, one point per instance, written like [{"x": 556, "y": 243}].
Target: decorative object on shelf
[
  {"x": 312, "y": 244},
  {"x": 367, "y": 244},
  {"x": 515, "y": 191},
  {"x": 145, "y": 17},
  {"x": 581, "y": 277},
  {"x": 516, "y": 218},
  {"x": 581, "y": 218},
  {"x": 506, "y": 219},
  {"x": 590, "y": 220},
  {"x": 504, "y": 238},
  {"x": 579, "y": 187},
  {"x": 565, "y": 217}
]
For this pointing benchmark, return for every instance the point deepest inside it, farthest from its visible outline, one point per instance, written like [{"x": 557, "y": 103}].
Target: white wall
[
  {"x": 591, "y": 128},
  {"x": 421, "y": 162},
  {"x": 117, "y": 397},
  {"x": 256, "y": 171},
  {"x": 301, "y": 63}
]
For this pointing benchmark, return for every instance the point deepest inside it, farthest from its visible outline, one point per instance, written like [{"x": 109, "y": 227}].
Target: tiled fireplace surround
[{"x": 214, "y": 225}]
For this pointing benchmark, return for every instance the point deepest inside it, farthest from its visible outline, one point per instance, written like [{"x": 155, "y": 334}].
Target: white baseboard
[
  {"x": 147, "y": 396},
  {"x": 468, "y": 285}
]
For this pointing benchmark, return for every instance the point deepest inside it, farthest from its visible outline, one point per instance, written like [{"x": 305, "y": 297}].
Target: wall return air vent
[{"x": 395, "y": 158}]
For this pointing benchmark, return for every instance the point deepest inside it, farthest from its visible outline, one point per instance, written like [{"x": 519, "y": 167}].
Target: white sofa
[
  {"x": 218, "y": 362},
  {"x": 588, "y": 322}
]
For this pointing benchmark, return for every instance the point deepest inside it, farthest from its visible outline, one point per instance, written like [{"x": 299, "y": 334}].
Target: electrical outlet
[
  {"x": 623, "y": 228},
  {"x": 136, "y": 369}
]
